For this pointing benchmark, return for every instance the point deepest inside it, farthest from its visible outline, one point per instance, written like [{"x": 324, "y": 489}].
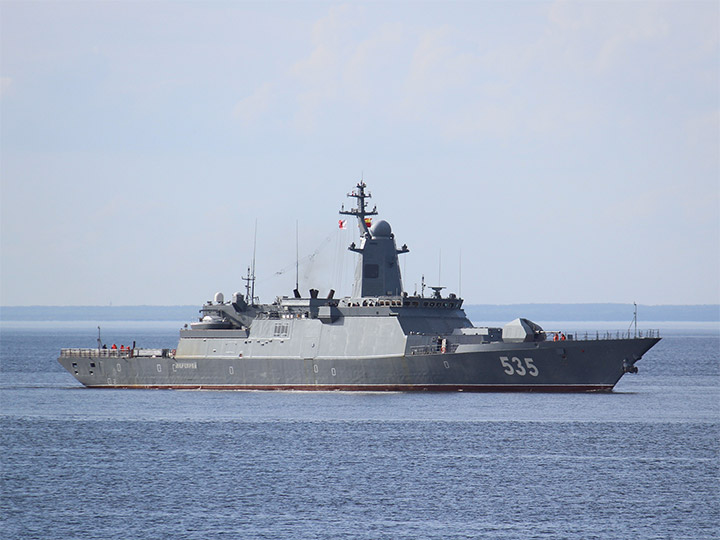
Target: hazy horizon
[{"x": 529, "y": 152}]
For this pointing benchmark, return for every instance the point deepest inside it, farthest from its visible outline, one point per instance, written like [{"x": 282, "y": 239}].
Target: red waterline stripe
[{"x": 377, "y": 388}]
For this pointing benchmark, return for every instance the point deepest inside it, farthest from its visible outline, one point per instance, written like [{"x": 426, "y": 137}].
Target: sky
[{"x": 526, "y": 152}]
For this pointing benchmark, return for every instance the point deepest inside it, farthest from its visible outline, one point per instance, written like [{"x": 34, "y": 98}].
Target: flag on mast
[{"x": 342, "y": 223}]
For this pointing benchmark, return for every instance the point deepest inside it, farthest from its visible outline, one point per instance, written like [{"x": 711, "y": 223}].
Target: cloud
[
  {"x": 554, "y": 76},
  {"x": 601, "y": 36},
  {"x": 356, "y": 68},
  {"x": 250, "y": 109},
  {"x": 439, "y": 68},
  {"x": 370, "y": 71}
]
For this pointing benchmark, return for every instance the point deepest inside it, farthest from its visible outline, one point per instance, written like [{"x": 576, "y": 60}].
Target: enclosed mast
[{"x": 377, "y": 272}]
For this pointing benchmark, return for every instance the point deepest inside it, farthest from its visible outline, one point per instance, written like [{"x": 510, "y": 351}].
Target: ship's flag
[
  {"x": 342, "y": 223},
  {"x": 368, "y": 222}
]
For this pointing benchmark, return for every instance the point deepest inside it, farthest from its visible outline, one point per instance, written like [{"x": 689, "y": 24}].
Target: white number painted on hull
[
  {"x": 532, "y": 368},
  {"x": 519, "y": 368}
]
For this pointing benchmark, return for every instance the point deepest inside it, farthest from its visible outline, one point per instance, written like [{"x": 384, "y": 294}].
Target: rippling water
[{"x": 642, "y": 462}]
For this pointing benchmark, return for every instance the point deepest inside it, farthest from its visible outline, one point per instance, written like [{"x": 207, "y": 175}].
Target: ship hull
[
  {"x": 380, "y": 338},
  {"x": 571, "y": 366}
]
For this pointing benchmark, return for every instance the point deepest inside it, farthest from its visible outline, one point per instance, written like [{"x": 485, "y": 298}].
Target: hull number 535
[{"x": 515, "y": 366}]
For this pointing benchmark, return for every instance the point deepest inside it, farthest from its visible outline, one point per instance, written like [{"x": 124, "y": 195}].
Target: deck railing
[
  {"x": 588, "y": 335},
  {"x": 114, "y": 353},
  {"x": 585, "y": 335}
]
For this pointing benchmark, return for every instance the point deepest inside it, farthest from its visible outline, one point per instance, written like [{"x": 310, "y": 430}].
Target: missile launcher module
[{"x": 378, "y": 339}]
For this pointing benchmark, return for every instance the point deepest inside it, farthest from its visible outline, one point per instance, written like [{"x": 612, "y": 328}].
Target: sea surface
[{"x": 642, "y": 462}]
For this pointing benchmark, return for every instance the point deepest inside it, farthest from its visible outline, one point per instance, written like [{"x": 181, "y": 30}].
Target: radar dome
[{"x": 381, "y": 228}]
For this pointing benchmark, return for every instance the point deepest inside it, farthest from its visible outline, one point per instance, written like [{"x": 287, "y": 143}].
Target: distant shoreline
[
  {"x": 475, "y": 312},
  {"x": 595, "y": 312}
]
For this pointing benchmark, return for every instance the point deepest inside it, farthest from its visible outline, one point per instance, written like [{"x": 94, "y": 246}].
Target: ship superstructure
[{"x": 379, "y": 338}]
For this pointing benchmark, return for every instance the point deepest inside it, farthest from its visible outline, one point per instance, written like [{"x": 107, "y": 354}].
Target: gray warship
[{"x": 378, "y": 339}]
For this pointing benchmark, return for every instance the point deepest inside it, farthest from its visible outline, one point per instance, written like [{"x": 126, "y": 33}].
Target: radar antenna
[
  {"x": 361, "y": 211},
  {"x": 249, "y": 287}
]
